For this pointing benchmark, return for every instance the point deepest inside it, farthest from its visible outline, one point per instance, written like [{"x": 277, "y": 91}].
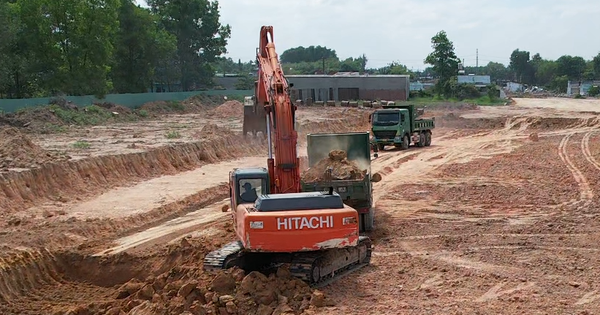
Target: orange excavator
[{"x": 275, "y": 223}]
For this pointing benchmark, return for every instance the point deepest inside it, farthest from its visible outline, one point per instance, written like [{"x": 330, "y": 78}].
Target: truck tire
[
  {"x": 405, "y": 142},
  {"x": 367, "y": 221},
  {"x": 422, "y": 140},
  {"x": 428, "y": 138},
  {"x": 380, "y": 146}
]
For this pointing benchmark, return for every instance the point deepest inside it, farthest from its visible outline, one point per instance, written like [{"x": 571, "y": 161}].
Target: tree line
[
  {"x": 532, "y": 70},
  {"x": 93, "y": 47}
]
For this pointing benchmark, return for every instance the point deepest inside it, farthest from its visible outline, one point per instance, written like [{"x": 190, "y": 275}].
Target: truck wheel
[
  {"x": 405, "y": 142},
  {"x": 380, "y": 146},
  {"x": 422, "y": 140},
  {"x": 366, "y": 221},
  {"x": 428, "y": 138}
]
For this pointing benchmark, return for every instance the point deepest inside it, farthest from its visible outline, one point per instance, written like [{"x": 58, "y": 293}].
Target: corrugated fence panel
[{"x": 127, "y": 100}]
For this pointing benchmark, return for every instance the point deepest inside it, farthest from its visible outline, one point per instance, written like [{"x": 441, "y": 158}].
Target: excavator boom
[{"x": 273, "y": 93}]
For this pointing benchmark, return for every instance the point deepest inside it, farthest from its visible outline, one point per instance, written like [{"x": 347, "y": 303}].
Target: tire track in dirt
[
  {"x": 585, "y": 191},
  {"x": 585, "y": 148}
]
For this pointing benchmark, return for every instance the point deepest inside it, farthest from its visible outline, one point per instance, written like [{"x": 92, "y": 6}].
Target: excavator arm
[{"x": 272, "y": 92}]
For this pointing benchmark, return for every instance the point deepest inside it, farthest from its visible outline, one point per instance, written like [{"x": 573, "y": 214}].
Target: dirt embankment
[{"x": 81, "y": 178}]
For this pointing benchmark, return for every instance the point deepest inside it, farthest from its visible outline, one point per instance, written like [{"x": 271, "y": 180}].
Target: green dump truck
[
  {"x": 400, "y": 125},
  {"x": 357, "y": 194}
]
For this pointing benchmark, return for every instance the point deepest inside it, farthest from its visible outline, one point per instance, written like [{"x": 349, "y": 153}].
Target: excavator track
[{"x": 318, "y": 269}]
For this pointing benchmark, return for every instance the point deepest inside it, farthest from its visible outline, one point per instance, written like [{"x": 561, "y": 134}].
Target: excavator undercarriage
[{"x": 317, "y": 268}]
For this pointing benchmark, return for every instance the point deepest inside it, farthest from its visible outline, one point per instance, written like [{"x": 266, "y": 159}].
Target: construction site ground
[{"x": 500, "y": 215}]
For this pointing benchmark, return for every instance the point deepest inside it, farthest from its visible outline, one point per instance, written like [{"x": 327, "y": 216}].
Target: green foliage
[
  {"x": 200, "y": 37},
  {"x": 521, "y": 66},
  {"x": 94, "y": 47},
  {"x": 559, "y": 84},
  {"x": 444, "y": 62},
  {"x": 81, "y": 144},
  {"x": 493, "y": 92},
  {"x": 572, "y": 67},
  {"x": 173, "y": 135},
  {"x": 594, "y": 91},
  {"x": 141, "y": 44},
  {"x": 244, "y": 83},
  {"x": 308, "y": 54}
]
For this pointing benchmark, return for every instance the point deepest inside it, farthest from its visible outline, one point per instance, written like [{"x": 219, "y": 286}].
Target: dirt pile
[
  {"x": 114, "y": 108},
  {"x": 17, "y": 150},
  {"x": 212, "y": 131},
  {"x": 188, "y": 289},
  {"x": 229, "y": 109},
  {"x": 335, "y": 166}
]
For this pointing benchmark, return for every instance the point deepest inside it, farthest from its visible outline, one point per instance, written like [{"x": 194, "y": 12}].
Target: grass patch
[
  {"x": 173, "y": 135},
  {"x": 81, "y": 144}
]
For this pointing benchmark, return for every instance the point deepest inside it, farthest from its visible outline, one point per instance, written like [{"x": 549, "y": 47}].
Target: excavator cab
[{"x": 246, "y": 184}]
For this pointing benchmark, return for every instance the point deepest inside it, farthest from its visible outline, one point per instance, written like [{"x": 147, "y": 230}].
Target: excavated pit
[{"x": 171, "y": 282}]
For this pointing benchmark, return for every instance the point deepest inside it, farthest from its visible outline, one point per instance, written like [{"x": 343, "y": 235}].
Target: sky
[{"x": 401, "y": 30}]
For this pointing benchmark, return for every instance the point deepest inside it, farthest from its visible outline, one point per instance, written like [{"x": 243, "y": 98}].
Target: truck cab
[
  {"x": 399, "y": 125},
  {"x": 391, "y": 126}
]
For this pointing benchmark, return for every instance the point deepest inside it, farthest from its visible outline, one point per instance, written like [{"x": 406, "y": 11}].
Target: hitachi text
[{"x": 301, "y": 223}]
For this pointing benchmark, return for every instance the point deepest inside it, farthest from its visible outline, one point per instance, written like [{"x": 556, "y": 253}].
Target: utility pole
[{"x": 477, "y": 60}]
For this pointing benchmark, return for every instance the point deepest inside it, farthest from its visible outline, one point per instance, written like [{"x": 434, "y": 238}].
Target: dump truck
[
  {"x": 400, "y": 125},
  {"x": 357, "y": 194}
]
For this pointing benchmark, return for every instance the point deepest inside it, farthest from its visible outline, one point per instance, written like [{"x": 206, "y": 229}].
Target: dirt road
[{"x": 497, "y": 216}]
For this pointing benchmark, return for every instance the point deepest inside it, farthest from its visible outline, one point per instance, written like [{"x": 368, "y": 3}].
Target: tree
[
  {"x": 443, "y": 61},
  {"x": 520, "y": 65},
  {"x": 82, "y": 33},
  {"x": 140, "y": 46},
  {"x": 572, "y": 67},
  {"x": 308, "y": 54},
  {"x": 201, "y": 38},
  {"x": 596, "y": 66}
]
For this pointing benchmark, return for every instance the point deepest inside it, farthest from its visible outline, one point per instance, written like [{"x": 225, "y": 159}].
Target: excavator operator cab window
[{"x": 249, "y": 189}]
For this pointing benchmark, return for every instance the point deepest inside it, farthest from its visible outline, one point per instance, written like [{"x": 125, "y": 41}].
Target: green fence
[{"x": 127, "y": 100}]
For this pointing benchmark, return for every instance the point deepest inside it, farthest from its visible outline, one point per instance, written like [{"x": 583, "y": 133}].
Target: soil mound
[
  {"x": 17, "y": 150},
  {"x": 335, "y": 166},
  {"x": 212, "y": 131},
  {"x": 229, "y": 109},
  {"x": 114, "y": 108},
  {"x": 183, "y": 290}
]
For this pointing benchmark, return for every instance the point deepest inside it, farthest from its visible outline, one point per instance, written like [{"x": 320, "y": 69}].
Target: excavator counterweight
[{"x": 275, "y": 223}]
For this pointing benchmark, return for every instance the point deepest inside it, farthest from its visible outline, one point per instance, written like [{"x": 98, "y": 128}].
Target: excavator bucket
[{"x": 254, "y": 118}]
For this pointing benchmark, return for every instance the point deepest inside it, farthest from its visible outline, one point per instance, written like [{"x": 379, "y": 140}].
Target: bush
[
  {"x": 467, "y": 91},
  {"x": 594, "y": 91}
]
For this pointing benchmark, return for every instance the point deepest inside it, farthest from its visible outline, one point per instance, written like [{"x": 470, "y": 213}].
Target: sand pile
[
  {"x": 229, "y": 109},
  {"x": 17, "y": 150},
  {"x": 212, "y": 131},
  {"x": 229, "y": 292},
  {"x": 336, "y": 166}
]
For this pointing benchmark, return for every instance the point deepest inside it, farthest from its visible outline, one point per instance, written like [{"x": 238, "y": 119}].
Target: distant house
[
  {"x": 580, "y": 87},
  {"x": 515, "y": 87}
]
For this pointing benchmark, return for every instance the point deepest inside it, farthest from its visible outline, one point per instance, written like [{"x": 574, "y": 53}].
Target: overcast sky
[{"x": 401, "y": 30}]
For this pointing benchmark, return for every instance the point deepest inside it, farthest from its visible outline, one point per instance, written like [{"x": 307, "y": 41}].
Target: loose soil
[
  {"x": 17, "y": 150},
  {"x": 229, "y": 109},
  {"x": 488, "y": 219},
  {"x": 336, "y": 166}
]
